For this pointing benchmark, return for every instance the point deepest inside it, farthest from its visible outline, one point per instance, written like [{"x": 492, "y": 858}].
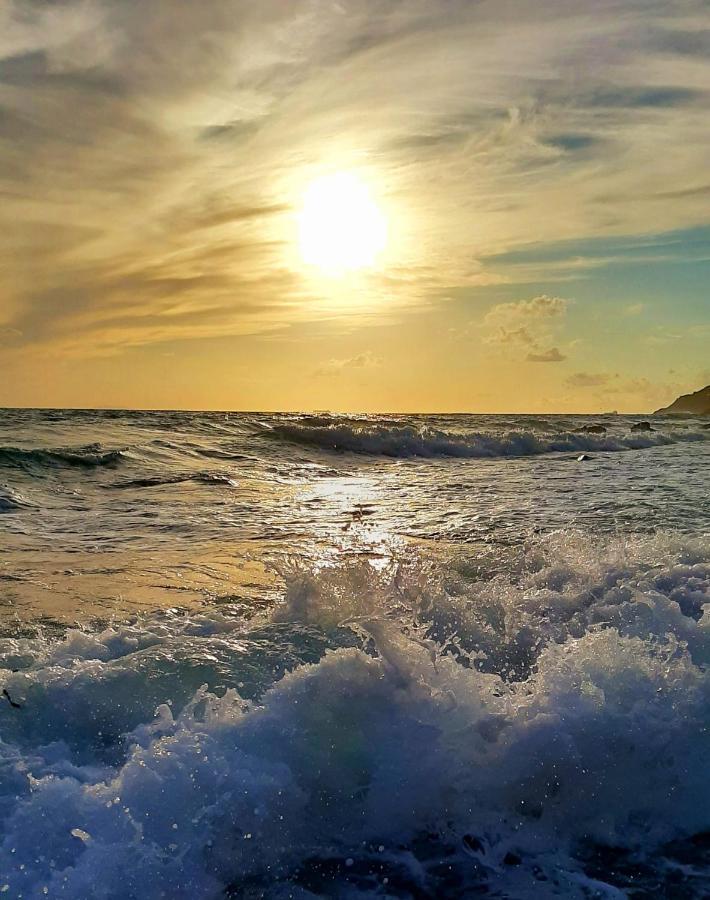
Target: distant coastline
[{"x": 697, "y": 404}]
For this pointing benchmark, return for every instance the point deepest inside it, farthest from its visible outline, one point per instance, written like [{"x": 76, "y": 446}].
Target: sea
[{"x": 279, "y": 656}]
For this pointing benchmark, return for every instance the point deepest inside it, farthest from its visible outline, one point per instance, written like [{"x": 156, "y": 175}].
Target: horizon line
[{"x": 329, "y": 412}]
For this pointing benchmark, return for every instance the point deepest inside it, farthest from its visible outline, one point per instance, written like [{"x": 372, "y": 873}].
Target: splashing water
[{"x": 385, "y": 677}]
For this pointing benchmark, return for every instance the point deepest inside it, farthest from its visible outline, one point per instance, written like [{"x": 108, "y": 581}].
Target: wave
[
  {"x": 403, "y": 441},
  {"x": 164, "y": 480},
  {"x": 402, "y": 731},
  {"x": 89, "y": 457},
  {"x": 10, "y": 499}
]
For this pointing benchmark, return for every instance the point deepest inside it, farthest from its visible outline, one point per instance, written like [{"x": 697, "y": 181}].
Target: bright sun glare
[{"x": 341, "y": 228}]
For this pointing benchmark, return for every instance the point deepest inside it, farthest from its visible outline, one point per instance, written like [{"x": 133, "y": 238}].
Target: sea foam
[
  {"x": 403, "y": 441},
  {"x": 11, "y": 499},
  {"x": 396, "y": 728}
]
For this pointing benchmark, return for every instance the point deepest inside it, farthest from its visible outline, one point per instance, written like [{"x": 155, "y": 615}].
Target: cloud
[
  {"x": 633, "y": 309},
  {"x": 150, "y": 163},
  {"x": 552, "y": 355},
  {"x": 641, "y": 387},
  {"x": 9, "y": 337},
  {"x": 542, "y": 307},
  {"x": 366, "y": 360},
  {"x": 572, "y": 143},
  {"x": 636, "y": 96},
  {"x": 642, "y": 392},
  {"x": 690, "y": 334},
  {"x": 527, "y": 324},
  {"x": 580, "y": 259},
  {"x": 587, "y": 379},
  {"x": 633, "y": 393}
]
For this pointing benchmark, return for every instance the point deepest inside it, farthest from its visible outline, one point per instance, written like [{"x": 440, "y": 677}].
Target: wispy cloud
[
  {"x": 366, "y": 360},
  {"x": 553, "y": 355},
  {"x": 635, "y": 393},
  {"x": 151, "y": 159},
  {"x": 587, "y": 379}
]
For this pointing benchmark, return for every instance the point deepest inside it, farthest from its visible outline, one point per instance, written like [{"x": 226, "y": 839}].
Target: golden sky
[{"x": 476, "y": 206}]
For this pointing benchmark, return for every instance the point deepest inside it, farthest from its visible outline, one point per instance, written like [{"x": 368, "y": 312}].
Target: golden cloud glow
[{"x": 278, "y": 205}]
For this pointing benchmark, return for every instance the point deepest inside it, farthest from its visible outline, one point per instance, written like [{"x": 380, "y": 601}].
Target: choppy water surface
[{"x": 296, "y": 656}]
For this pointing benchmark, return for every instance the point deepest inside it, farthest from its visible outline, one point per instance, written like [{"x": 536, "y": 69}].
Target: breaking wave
[
  {"x": 409, "y": 441},
  {"x": 407, "y": 730}
]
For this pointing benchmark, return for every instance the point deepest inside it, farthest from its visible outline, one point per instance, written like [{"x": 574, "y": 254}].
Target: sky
[{"x": 541, "y": 170}]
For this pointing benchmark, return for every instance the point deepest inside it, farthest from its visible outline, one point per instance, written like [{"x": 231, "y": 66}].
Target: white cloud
[
  {"x": 528, "y": 325},
  {"x": 150, "y": 160},
  {"x": 542, "y": 307}
]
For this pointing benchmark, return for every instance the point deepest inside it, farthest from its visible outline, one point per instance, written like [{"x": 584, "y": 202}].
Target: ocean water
[{"x": 298, "y": 656}]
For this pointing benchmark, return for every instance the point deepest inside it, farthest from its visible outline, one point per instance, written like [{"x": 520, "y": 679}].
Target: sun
[{"x": 341, "y": 228}]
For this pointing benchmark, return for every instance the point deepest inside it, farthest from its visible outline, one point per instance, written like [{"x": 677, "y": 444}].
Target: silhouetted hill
[{"x": 697, "y": 404}]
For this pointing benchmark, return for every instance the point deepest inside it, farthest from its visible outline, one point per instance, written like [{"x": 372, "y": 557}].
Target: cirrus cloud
[{"x": 152, "y": 157}]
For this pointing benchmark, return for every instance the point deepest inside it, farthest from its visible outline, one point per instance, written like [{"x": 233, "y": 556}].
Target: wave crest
[
  {"x": 91, "y": 456},
  {"x": 486, "y": 730},
  {"x": 10, "y": 499},
  {"x": 402, "y": 441}
]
